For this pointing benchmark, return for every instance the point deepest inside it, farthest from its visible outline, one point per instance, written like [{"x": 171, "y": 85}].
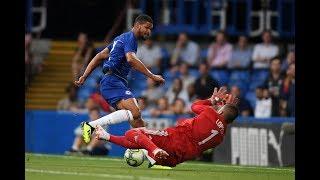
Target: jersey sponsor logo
[{"x": 128, "y": 92}]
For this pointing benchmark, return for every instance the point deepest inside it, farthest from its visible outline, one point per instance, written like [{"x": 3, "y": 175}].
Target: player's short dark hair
[
  {"x": 231, "y": 114},
  {"x": 143, "y": 18}
]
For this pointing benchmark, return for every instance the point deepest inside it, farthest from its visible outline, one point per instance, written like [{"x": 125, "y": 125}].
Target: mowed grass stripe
[
  {"x": 115, "y": 176},
  {"x": 190, "y": 163},
  {"x": 117, "y": 166}
]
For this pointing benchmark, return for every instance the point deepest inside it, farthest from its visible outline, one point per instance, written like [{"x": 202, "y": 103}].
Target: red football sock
[
  {"x": 122, "y": 141},
  {"x": 141, "y": 139}
]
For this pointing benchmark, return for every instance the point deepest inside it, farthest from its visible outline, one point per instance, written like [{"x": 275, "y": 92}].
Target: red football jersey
[
  {"x": 192, "y": 136},
  {"x": 208, "y": 127}
]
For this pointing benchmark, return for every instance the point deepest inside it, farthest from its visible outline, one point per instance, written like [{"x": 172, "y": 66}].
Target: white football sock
[
  {"x": 74, "y": 147},
  {"x": 151, "y": 160},
  {"x": 113, "y": 118}
]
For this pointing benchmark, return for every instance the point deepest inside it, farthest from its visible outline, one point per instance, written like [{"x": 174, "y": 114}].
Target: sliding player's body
[{"x": 185, "y": 141}]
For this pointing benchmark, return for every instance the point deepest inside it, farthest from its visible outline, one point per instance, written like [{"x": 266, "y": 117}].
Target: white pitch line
[
  {"x": 116, "y": 176},
  {"x": 77, "y": 157}
]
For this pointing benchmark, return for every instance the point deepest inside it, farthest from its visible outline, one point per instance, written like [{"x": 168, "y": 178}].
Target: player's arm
[
  {"x": 200, "y": 105},
  {"x": 92, "y": 65},
  {"x": 138, "y": 65}
]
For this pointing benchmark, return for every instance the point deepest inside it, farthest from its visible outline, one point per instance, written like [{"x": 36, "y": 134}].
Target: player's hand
[
  {"x": 218, "y": 95},
  {"x": 158, "y": 79},
  {"x": 80, "y": 81},
  {"x": 230, "y": 99}
]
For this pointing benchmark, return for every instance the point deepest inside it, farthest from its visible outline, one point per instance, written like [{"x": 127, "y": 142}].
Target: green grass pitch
[{"x": 55, "y": 167}]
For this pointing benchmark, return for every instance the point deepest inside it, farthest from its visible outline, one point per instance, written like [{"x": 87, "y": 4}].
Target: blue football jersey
[{"x": 117, "y": 61}]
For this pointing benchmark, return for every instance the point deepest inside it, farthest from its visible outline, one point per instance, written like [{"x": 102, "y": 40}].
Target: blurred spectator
[
  {"x": 219, "y": 53},
  {"x": 191, "y": 95},
  {"x": 244, "y": 105},
  {"x": 263, "y": 103},
  {"x": 186, "y": 78},
  {"x": 291, "y": 58},
  {"x": 185, "y": 51},
  {"x": 273, "y": 83},
  {"x": 143, "y": 105},
  {"x": 287, "y": 102},
  {"x": 69, "y": 102},
  {"x": 264, "y": 52},
  {"x": 84, "y": 53},
  {"x": 205, "y": 84},
  {"x": 150, "y": 55},
  {"x": 178, "y": 107},
  {"x": 162, "y": 108},
  {"x": 241, "y": 55},
  {"x": 94, "y": 147},
  {"x": 153, "y": 92},
  {"x": 176, "y": 91}
]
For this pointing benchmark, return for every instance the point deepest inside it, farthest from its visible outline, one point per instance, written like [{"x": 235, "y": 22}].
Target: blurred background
[{"x": 245, "y": 45}]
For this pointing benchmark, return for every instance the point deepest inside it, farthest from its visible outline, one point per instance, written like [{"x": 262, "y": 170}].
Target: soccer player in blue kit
[{"x": 118, "y": 59}]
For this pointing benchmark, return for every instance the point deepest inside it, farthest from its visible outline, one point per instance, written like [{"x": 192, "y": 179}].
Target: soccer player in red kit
[{"x": 189, "y": 138}]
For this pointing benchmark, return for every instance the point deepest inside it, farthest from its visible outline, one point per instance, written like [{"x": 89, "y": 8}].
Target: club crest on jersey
[{"x": 128, "y": 92}]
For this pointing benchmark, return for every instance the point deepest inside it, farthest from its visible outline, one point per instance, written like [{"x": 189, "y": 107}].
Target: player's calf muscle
[{"x": 130, "y": 105}]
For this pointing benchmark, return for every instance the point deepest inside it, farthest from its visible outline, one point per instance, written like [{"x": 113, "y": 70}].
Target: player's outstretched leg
[
  {"x": 112, "y": 118},
  {"x": 136, "y": 136},
  {"x": 102, "y": 134}
]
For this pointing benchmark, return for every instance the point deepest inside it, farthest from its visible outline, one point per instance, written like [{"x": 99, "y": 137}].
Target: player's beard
[{"x": 145, "y": 37}]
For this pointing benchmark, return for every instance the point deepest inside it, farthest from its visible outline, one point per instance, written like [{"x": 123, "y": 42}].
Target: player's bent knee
[
  {"x": 136, "y": 113},
  {"x": 138, "y": 123}
]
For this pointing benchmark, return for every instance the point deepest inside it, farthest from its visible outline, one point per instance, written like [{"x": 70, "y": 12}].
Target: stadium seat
[
  {"x": 165, "y": 54},
  {"x": 251, "y": 97},
  {"x": 135, "y": 75},
  {"x": 259, "y": 74},
  {"x": 194, "y": 72},
  {"x": 203, "y": 53},
  {"x": 255, "y": 83},
  {"x": 222, "y": 76},
  {"x": 168, "y": 75},
  {"x": 90, "y": 82},
  {"x": 240, "y": 75},
  {"x": 83, "y": 94}
]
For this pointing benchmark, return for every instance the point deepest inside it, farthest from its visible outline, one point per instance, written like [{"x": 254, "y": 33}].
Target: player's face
[{"x": 145, "y": 30}]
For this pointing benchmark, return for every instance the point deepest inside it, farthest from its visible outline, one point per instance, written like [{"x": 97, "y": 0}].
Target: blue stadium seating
[
  {"x": 259, "y": 74},
  {"x": 240, "y": 75},
  {"x": 222, "y": 76},
  {"x": 251, "y": 97},
  {"x": 194, "y": 72},
  {"x": 165, "y": 54},
  {"x": 203, "y": 53},
  {"x": 84, "y": 94}
]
